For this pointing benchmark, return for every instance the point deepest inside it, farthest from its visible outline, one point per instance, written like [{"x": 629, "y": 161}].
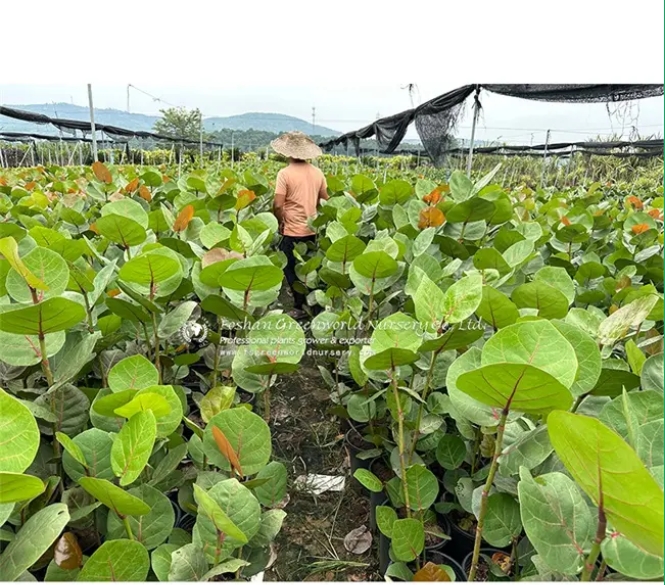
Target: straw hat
[{"x": 296, "y": 145}]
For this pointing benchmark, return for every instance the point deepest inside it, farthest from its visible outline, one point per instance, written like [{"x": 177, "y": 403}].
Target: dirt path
[{"x": 309, "y": 440}]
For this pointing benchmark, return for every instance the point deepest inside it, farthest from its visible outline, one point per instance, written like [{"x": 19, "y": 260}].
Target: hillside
[{"x": 266, "y": 122}]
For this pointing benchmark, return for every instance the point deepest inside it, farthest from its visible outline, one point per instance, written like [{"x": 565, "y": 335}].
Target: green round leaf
[
  {"x": 151, "y": 529},
  {"x": 450, "y": 452},
  {"x": 95, "y": 446},
  {"x": 132, "y": 446},
  {"x": 121, "y": 230},
  {"x": 550, "y": 302},
  {"x": 132, "y": 372},
  {"x": 249, "y": 436},
  {"x": 114, "y": 497},
  {"x": 49, "y": 316},
  {"x": 117, "y": 560},
  {"x": 32, "y": 541},
  {"x": 604, "y": 465},
  {"x": 17, "y": 487},
  {"x": 535, "y": 343},
  {"x": 375, "y": 265},
  {"x": 51, "y": 269},
  {"x": 19, "y": 435},
  {"x": 149, "y": 269},
  {"x": 273, "y": 491},
  {"x": 240, "y": 506},
  {"x": 556, "y": 520},
  {"x": 522, "y": 388}
]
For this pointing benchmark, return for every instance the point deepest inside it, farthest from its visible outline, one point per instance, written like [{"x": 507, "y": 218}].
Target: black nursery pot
[
  {"x": 178, "y": 512},
  {"x": 435, "y": 556},
  {"x": 186, "y": 522},
  {"x": 483, "y": 551},
  {"x": 439, "y": 558},
  {"x": 460, "y": 543},
  {"x": 354, "y": 444}
]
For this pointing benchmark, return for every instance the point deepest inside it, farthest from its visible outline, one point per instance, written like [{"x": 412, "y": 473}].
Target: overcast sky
[
  {"x": 350, "y": 62},
  {"x": 503, "y": 119}
]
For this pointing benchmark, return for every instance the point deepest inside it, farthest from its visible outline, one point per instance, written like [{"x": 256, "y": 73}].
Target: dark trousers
[{"x": 286, "y": 245}]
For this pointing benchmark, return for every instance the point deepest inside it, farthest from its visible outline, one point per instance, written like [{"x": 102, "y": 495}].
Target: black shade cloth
[
  {"x": 436, "y": 119},
  {"x": 83, "y": 126}
]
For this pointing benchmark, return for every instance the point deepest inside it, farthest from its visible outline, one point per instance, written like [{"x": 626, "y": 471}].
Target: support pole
[
  {"x": 476, "y": 113},
  {"x": 201, "y": 139},
  {"x": 232, "y": 151},
  {"x": 570, "y": 163},
  {"x": 547, "y": 142},
  {"x": 92, "y": 124}
]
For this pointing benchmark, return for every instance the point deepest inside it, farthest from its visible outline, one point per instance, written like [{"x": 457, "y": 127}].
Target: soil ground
[{"x": 309, "y": 440}]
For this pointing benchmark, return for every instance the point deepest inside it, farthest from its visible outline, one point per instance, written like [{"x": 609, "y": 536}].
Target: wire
[{"x": 156, "y": 99}]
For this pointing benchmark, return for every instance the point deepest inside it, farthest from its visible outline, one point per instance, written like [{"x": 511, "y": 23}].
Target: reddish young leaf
[
  {"x": 433, "y": 198},
  {"x": 93, "y": 228},
  {"x": 227, "y": 450},
  {"x": 640, "y": 228},
  {"x": 183, "y": 219},
  {"x": 101, "y": 172},
  {"x": 132, "y": 185},
  {"x": 431, "y": 217},
  {"x": 635, "y": 202},
  {"x": 114, "y": 292},
  {"x": 245, "y": 197},
  {"x": 144, "y": 193},
  {"x": 656, "y": 214},
  {"x": 565, "y": 221}
]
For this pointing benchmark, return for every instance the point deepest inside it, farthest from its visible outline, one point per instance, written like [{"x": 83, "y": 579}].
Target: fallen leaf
[
  {"x": 67, "y": 554},
  {"x": 431, "y": 573},
  {"x": 358, "y": 541}
]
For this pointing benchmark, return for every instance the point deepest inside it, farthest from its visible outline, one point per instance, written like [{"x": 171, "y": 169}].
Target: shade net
[{"x": 436, "y": 119}]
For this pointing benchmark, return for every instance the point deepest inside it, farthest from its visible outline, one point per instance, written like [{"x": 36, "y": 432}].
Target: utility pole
[
  {"x": 201, "y": 137},
  {"x": 547, "y": 143},
  {"x": 92, "y": 124},
  {"x": 313, "y": 120},
  {"x": 476, "y": 112}
]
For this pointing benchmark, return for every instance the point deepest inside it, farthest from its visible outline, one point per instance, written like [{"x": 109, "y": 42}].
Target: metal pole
[
  {"x": 32, "y": 153},
  {"x": 542, "y": 178},
  {"x": 570, "y": 161},
  {"x": 92, "y": 124},
  {"x": 201, "y": 139},
  {"x": 476, "y": 112}
]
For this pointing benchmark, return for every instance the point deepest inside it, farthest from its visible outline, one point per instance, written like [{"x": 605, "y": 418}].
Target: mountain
[{"x": 268, "y": 122}]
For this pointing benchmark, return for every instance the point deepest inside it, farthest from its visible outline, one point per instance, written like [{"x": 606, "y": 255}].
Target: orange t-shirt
[{"x": 297, "y": 192}]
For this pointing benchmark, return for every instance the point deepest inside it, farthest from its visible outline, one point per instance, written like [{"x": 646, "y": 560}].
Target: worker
[{"x": 298, "y": 191}]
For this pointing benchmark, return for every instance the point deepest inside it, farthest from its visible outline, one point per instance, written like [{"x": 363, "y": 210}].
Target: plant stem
[
  {"x": 428, "y": 381},
  {"x": 601, "y": 571},
  {"x": 400, "y": 438},
  {"x": 217, "y": 350},
  {"x": 266, "y": 405},
  {"x": 156, "y": 342},
  {"x": 46, "y": 367},
  {"x": 128, "y": 528},
  {"x": 594, "y": 553},
  {"x": 498, "y": 445}
]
